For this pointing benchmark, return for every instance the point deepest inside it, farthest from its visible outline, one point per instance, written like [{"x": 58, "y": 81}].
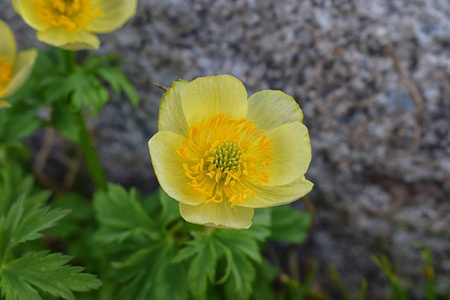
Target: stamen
[
  {"x": 75, "y": 15},
  {"x": 5, "y": 72},
  {"x": 225, "y": 159}
]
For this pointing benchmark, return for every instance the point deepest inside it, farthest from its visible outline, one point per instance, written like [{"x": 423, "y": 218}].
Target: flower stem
[{"x": 92, "y": 160}]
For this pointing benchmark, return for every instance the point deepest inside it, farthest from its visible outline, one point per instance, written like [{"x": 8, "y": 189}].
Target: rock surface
[{"x": 373, "y": 79}]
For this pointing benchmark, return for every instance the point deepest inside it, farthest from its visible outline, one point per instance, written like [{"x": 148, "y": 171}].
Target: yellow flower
[
  {"x": 72, "y": 24},
  {"x": 14, "y": 67},
  {"x": 221, "y": 155}
]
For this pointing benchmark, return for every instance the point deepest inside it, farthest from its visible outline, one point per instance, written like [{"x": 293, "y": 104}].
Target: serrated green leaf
[
  {"x": 241, "y": 277},
  {"x": 265, "y": 276},
  {"x": 121, "y": 216},
  {"x": 80, "y": 214},
  {"x": 240, "y": 242},
  {"x": 22, "y": 224},
  {"x": 190, "y": 250},
  {"x": 66, "y": 123},
  {"x": 170, "y": 211},
  {"x": 94, "y": 62},
  {"x": 289, "y": 224},
  {"x": 119, "y": 82},
  {"x": 172, "y": 282},
  {"x": 148, "y": 274},
  {"x": 47, "y": 272},
  {"x": 203, "y": 265},
  {"x": 15, "y": 183},
  {"x": 87, "y": 91},
  {"x": 151, "y": 203},
  {"x": 260, "y": 229},
  {"x": 226, "y": 252},
  {"x": 18, "y": 121}
]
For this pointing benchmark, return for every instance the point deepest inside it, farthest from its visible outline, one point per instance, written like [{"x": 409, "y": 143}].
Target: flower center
[
  {"x": 5, "y": 72},
  {"x": 75, "y": 15},
  {"x": 225, "y": 159},
  {"x": 227, "y": 156}
]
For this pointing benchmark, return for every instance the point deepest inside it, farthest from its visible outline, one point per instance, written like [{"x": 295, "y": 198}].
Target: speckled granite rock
[{"x": 378, "y": 189}]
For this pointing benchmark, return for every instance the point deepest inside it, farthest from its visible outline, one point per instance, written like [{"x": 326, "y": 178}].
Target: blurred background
[{"x": 373, "y": 80}]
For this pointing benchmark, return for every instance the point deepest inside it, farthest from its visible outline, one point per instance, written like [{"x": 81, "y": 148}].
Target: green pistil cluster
[{"x": 227, "y": 156}]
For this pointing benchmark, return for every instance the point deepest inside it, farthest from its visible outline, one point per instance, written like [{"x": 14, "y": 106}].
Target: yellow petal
[
  {"x": 168, "y": 167},
  {"x": 114, "y": 14},
  {"x": 292, "y": 153},
  {"x": 4, "y": 104},
  {"x": 30, "y": 15},
  {"x": 8, "y": 46},
  {"x": 207, "y": 97},
  {"x": 218, "y": 215},
  {"x": 171, "y": 116},
  {"x": 16, "y": 5},
  {"x": 267, "y": 196},
  {"x": 60, "y": 37},
  {"x": 22, "y": 68},
  {"x": 271, "y": 109}
]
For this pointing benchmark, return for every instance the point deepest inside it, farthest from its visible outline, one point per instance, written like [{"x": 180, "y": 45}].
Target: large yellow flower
[
  {"x": 72, "y": 24},
  {"x": 14, "y": 67},
  {"x": 221, "y": 155}
]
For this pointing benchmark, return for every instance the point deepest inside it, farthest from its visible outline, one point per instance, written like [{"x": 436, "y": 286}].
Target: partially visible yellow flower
[
  {"x": 14, "y": 67},
  {"x": 221, "y": 155},
  {"x": 72, "y": 24}
]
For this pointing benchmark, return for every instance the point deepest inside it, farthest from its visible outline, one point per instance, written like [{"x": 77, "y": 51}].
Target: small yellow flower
[
  {"x": 72, "y": 24},
  {"x": 221, "y": 155},
  {"x": 14, "y": 67}
]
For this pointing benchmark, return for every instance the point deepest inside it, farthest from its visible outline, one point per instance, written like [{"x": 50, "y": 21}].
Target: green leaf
[
  {"x": 241, "y": 277},
  {"x": 22, "y": 224},
  {"x": 47, "y": 272},
  {"x": 397, "y": 289},
  {"x": 66, "y": 123},
  {"x": 148, "y": 274},
  {"x": 121, "y": 216},
  {"x": 289, "y": 224},
  {"x": 14, "y": 183},
  {"x": 87, "y": 91},
  {"x": 119, "y": 82},
  {"x": 170, "y": 211},
  {"x": 80, "y": 214},
  {"x": 240, "y": 242},
  {"x": 203, "y": 266},
  {"x": 265, "y": 276},
  {"x": 18, "y": 121},
  {"x": 260, "y": 229}
]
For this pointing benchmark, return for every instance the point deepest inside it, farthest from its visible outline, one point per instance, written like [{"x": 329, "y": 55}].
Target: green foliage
[
  {"x": 156, "y": 255},
  {"x": 17, "y": 122},
  {"x": 398, "y": 292},
  {"x": 14, "y": 183},
  {"x": 428, "y": 271},
  {"x": 65, "y": 88},
  {"x": 58, "y": 80},
  {"x": 23, "y": 224},
  {"x": 22, "y": 219},
  {"x": 122, "y": 217},
  {"x": 48, "y": 272},
  {"x": 340, "y": 284},
  {"x": 289, "y": 225}
]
